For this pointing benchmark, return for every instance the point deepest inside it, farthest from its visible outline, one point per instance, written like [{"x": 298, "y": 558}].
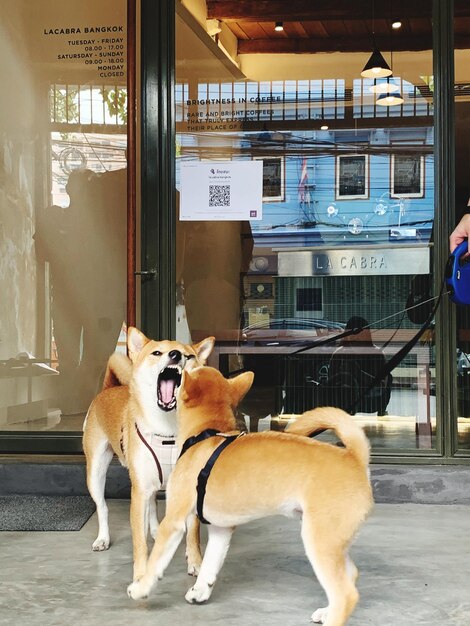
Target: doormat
[{"x": 44, "y": 513}]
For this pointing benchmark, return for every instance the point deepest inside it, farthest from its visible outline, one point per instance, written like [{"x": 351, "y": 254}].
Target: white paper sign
[{"x": 221, "y": 191}]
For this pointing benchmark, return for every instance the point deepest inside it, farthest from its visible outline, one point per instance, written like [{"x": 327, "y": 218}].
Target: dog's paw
[
  {"x": 319, "y": 616},
  {"x": 193, "y": 568},
  {"x": 198, "y": 594},
  {"x": 193, "y": 560},
  {"x": 100, "y": 544},
  {"x": 138, "y": 591},
  {"x": 138, "y": 574}
]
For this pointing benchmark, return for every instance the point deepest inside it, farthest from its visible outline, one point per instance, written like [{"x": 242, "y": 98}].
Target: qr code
[{"x": 219, "y": 195}]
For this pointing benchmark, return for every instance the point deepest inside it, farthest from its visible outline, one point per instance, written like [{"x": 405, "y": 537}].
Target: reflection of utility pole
[
  {"x": 307, "y": 197},
  {"x": 306, "y": 204},
  {"x": 305, "y": 189},
  {"x": 401, "y": 212}
]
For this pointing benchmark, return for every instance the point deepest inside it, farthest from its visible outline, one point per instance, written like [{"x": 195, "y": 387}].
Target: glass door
[{"x": 305, "y": 191}]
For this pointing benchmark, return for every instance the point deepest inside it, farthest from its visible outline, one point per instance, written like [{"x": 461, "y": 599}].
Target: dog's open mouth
[{"x": 168, "y": 382}]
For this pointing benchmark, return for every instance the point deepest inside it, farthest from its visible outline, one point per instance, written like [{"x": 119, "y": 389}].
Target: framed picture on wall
[
  {"x": 352, "y": 177},
  {"x": 407, "y": 176},
  {"x": 273, "y": 178}
]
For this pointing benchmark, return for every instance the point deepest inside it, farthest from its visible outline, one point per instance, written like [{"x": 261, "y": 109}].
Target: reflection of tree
[
  {"x": 67, "y": 103},
  {"x": 116, "y": 101},
  {"x": 64, "y": 104}
]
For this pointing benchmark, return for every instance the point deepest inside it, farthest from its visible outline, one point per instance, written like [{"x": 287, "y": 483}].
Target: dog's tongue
[{"x": 167, "y": 388}]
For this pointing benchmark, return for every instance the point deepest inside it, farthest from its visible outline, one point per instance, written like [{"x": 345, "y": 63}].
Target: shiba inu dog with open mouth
[
  {"x": 231, "y": 479},
  {"x": 134, "y": 417}
]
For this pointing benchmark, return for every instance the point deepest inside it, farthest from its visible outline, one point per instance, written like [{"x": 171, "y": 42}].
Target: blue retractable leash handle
[{"x": 458, "y": 274}]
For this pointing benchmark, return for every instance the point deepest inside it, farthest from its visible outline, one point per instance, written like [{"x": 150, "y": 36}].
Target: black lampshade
[{"x": 376, "y": 66}]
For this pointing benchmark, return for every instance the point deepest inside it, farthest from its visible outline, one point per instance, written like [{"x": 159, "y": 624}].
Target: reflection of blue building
[{"x": 343, "y": 187}]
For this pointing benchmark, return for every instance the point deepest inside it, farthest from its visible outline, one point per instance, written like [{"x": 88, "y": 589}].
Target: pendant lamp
[
  {"x": 389, "y": 99},
  {"x": 376, "y": 66},
  {"x": 384, "y": 85}
]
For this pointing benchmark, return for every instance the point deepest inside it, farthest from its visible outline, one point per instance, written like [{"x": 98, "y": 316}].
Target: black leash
[{"x": 359, "y": 329}]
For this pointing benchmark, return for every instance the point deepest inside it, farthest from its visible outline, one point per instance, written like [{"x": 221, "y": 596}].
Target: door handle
[{"x": 148, "y": 274}]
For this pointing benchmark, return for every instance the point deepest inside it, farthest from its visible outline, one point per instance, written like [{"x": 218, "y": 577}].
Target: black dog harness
[{"x": 206, "y": 470}]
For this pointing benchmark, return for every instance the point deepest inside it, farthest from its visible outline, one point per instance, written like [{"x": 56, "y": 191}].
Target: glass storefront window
[
  {"x": 326, "y": 223},
  {"x": 62, "y": 207},
  {"x": 335, "y": 230}
]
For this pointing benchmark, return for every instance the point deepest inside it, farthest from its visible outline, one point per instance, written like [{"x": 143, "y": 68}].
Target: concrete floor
[{"x": 413, "y": 560}]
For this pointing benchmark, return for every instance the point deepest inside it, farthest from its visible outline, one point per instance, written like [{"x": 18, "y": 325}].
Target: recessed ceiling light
[
  {"x": 324, "y": 127},
  {"x": 396, "y": 24},
  {"x": 279, "y": 26}
]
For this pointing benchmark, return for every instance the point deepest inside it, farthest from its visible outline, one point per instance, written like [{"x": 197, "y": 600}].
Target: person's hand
[{"x": 460, "y": 233}]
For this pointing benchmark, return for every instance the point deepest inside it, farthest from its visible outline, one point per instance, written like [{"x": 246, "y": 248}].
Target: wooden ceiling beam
[
  {"x": 324, "y": 10},
  {"x": 306, "y": 46},
  {"x": 312, "y": 46}
]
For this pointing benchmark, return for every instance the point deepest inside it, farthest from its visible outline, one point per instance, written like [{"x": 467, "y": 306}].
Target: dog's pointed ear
[
  {"x": 187, "y": 384},
  {"x": 204, "y": 348},
  {"x": 136, "y": 340},
  {"x": 239, "y": 387}
]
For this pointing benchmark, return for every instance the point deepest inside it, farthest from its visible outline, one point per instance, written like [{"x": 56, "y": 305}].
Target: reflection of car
[
  {"x": 332, "y": 375},
  {"x": 275, "y": 369},
  {"x": 284, "y": 329}
]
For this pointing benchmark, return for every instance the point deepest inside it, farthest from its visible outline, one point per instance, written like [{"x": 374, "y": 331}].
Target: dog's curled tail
[
  {"x": 118, "y": 371},
  {"x": 341, "y": 422}
]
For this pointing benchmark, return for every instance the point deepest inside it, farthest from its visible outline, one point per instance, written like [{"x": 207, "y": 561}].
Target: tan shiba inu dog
[
  {"x": 134, "y": 417},
  {"x": 262, "y": 474}
]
